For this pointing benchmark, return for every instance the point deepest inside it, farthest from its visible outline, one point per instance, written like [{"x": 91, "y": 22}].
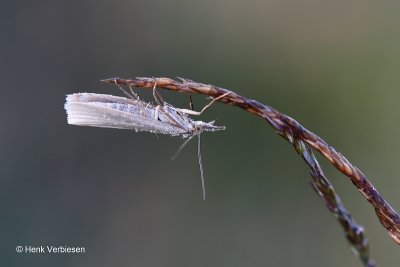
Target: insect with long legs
[{"x": 108, "y": 111}]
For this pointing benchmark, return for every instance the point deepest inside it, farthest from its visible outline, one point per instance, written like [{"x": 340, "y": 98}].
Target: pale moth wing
[{"x": 97, "y": 110}]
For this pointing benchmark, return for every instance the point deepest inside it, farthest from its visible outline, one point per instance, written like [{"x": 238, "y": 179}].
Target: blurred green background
[{"x": 332, "y": 65}]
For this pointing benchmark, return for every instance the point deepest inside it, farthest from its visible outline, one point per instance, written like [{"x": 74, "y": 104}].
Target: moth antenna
[
  {"x": 181, "y": 147},
  {"x": 201, "y": 167}
]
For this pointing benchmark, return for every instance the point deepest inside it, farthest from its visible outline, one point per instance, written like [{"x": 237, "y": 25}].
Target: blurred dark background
[{"x": 334, "y": 66}]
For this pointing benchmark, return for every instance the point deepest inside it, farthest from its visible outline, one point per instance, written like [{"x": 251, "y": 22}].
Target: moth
[{"x": 109, "y": 111}]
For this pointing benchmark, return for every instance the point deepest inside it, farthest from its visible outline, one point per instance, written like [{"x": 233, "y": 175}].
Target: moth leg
[
  {"x": 132, "y": 96},
  {"x": 160, "y": 97},
  {"x": 123, "y": 90},
  {"x": 162, "y": 108},
  {"x": 156, "y": 112},
  {"x": 132, "y": 92},
  {"x": 169, "y": 116},
  {"x": 157, "y": 97},
  {"x": 136, "y": 97},
  {"x": 190, "y": 101},
  {"x": 192, "y": 112}
]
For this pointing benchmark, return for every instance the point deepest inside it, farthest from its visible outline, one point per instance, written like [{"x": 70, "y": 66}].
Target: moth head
[{"x": 200, "y": 126}]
